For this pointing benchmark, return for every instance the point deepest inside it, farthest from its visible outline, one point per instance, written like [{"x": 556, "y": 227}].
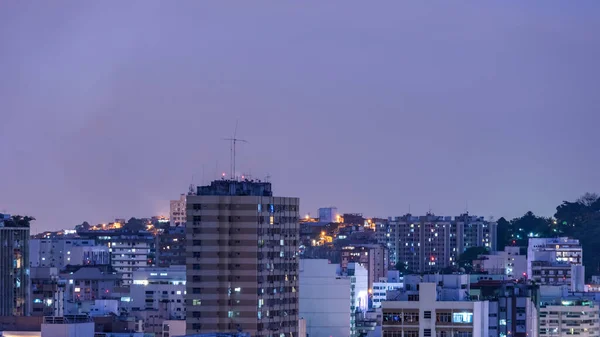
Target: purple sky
[{"x": 108, "y": 110}]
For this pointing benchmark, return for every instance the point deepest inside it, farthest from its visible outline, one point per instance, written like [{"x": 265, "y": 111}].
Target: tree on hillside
[
  {"x": 503, "y": 233},
  {"x": 135, "y": 225}
]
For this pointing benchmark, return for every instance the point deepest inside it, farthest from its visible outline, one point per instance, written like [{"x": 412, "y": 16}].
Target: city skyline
[{"x": 375, "y": 110}]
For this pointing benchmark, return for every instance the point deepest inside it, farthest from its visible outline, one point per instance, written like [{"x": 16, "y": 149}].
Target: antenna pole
[{"x": 234, "y": 141}]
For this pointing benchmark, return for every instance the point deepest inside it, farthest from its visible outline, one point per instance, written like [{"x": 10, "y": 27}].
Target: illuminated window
[
  {"x": 77, "y": 290},
  {"x": 237, "y": 290},
  {"x": 196, "y": 302},
  {"x": 178, "y": 292},
  {"x": 271, "y": 220},
  {"x": 462, "y": 317}
]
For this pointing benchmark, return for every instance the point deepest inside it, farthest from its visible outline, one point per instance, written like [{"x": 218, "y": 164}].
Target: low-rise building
[{"x": 87, "y": 284}]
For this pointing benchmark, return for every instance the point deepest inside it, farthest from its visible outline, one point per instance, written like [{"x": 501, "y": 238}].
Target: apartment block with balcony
[{"x": 569, "y": 317}]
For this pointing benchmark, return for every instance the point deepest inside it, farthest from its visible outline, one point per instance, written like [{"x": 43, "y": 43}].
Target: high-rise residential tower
[
  {"x": 242, "y": 260},
  {"x": 430, "y": 242},
  {"x": 14, "y": 268}
]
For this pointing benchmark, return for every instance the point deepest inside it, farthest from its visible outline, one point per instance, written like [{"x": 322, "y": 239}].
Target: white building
[
  {"x": 177, "y": 215},
  {"x": 328, "y": 300},
  {"x": 66, "y": 251},
  {"x": 549, "y": 260},
  {"x": 160, "y": 289},
  {"x": 554, "y": 250},
  {"x": 393, "y": 282},
  {"x": 567, "y": 318},
  {"x": 509, "y": 262},
  {"x": 426, "y": 314}
]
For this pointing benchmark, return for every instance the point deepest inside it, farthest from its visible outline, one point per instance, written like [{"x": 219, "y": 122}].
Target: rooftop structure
[{"x": 234, "y": 187}]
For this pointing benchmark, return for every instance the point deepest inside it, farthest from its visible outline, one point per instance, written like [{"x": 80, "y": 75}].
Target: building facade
[
  {"x": 14, "y": 271},
  {"x": 177, "y": 214},
  {"x": 242, "y": 260}
]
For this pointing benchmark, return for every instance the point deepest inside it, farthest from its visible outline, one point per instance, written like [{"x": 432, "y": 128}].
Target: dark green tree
[
  {"x": 472, "y": 253},
  {"x": 581, "y": 220},
  {"x": 134, "y": 225},
  {"x": 503, "y": 233}
]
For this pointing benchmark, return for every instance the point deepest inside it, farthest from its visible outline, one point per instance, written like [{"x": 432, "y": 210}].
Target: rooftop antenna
[
  {"x": 191, "y": 188},
  {"x": 234, "y": 141},
  {"x": 268, "y": 178}
]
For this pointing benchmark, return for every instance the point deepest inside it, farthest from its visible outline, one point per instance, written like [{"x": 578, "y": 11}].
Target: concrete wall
[{"x": 324, "y": 299}]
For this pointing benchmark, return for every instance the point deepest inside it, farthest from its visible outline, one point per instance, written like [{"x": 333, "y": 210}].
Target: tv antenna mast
[{"x": 234, "y": 142}]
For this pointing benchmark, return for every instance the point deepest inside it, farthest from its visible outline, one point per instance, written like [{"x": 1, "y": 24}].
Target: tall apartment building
[
  {"x": 242, "y": 260},
  {"x": 14, "y": 270},
  {"x": 551, "y": 260},
  {"x": 430, "y": 243},
  {"x": 177, "y": 215}
]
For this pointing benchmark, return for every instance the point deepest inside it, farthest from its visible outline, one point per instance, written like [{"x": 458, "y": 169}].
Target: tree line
[{"x": 579, "y": 219}]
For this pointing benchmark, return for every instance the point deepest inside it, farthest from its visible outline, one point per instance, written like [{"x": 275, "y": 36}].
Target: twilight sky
[{"x": 110, "y": 109}]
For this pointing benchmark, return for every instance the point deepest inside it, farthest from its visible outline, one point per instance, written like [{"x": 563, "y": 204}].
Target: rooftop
[{"x": 244, "y": 187}]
